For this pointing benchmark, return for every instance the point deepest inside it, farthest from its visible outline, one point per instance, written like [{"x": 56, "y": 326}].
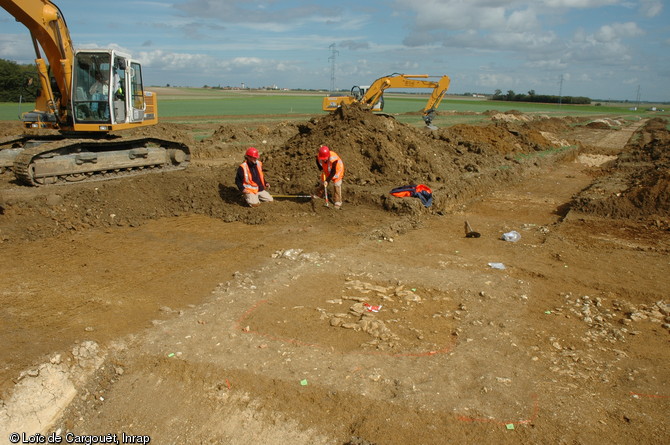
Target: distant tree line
[
  {"x": 543, "y": 98},
  {"x": 15, "y": 82}
]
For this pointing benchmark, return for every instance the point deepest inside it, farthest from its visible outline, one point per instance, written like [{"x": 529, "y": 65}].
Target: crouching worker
[
  {"x": 332, "y": 172},
  {"x": 250, "y": 180}
]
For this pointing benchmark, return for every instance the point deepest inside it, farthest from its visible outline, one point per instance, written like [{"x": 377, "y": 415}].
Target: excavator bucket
[{"x": 428, "y": 119}]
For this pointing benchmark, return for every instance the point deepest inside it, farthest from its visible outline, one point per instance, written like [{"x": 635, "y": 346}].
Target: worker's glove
[
  {"x": 325, "y": 184},
  {"x": 267, "y": 185}
]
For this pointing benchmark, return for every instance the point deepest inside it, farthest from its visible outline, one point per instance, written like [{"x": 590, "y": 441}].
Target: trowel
[
  {"x": 469, "y": 233},
  {"x": 293, "y": 196}
]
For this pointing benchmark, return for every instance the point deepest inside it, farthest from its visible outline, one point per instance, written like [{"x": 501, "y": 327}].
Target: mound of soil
[
  {"x": 379, "y": 154},
  {"x": 233, "y": 140},
  {"x": 637, "y": 184},
  {"x": 600, "y": 125}
]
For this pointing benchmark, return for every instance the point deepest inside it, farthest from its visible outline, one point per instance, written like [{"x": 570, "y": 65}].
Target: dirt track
[{"x": 160, "y": 306}]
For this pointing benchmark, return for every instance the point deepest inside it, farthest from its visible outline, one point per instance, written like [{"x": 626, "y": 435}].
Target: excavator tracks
[{"x": 68, "y": 160}]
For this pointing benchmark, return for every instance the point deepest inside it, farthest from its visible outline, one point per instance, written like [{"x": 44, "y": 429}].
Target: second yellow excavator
[{"x": 373, "y": 96}]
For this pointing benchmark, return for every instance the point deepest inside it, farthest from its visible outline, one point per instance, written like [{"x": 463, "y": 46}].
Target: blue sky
[{"x": 603, "y": 49}]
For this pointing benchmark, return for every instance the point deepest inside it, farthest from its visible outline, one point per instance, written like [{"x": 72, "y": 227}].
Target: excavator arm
[
  {"x": 47, "y": 28},
  {"x": 376, "y": 90},
  {"x": 441, "y": 87},
  {"x": 372, "y": 96}
]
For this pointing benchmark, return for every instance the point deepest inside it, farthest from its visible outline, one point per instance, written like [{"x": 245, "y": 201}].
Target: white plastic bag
[{"x": 512, "y": 236}]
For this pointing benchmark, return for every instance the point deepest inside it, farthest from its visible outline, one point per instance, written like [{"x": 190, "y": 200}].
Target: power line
[
  {"x": 333, "y": 55},
  {"x": 637, "y": 99}
]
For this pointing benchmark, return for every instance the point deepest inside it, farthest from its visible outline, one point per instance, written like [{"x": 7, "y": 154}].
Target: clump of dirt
[
  {"x": 603, "y": 124},
  {"x": 501, "y": 138},
  {"x": 600, "y": 125},
  {"x": 232, "y": 140},
  {"x": 227, "y": 133},
  {"x": 555, "y": 124},
  {"x": 125, "y": 202},
  {"x": 637, "y": 184},
  {"x": 10, "y": 128},
  {"x": 161, "y": 131},
  {"x": 657, "y": 124}
]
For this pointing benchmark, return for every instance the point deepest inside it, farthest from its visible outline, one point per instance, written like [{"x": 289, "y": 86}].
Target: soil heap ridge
[
  {"x": 377, "y": 150},
  {"x": 637, "y": 184}
]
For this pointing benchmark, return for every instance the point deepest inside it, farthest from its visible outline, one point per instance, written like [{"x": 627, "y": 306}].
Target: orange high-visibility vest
[
  {"x": 327, "y": 165},
  {"x": 249, "y": 185}
]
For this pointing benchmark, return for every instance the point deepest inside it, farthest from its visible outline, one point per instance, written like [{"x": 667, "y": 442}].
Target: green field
[{"x": 256, "y": 106}]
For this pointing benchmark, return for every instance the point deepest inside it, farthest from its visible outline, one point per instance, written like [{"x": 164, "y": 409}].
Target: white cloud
[
  {"x": 354, "y": 45},
  {"x": 522, "y": 41},
  {"x": 616, "y": 31},
  {"x": 517, "y": 29},
  {"x": 605, "y": 46},
  {"x": 551, "y": 65},
  {"x": 651, "y": 8},
  {"x": 246, "y": 62},
  {"x": 16, "y": 47},
  {"x": 490, "y": 80},
  {"x": 272, "y": 16},
  {"x": 523, "y": 20},
  {"x": 175, "y": 61},
  {"x": 594, "y": 52},
  {"x": 205, "y": 65},
  {"x": 456, "y": 15},
  {"x": 578, "y": 4}
]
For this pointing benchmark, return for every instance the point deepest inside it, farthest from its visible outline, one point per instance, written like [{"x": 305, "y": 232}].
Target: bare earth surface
[{"x": 160, "y": 306}]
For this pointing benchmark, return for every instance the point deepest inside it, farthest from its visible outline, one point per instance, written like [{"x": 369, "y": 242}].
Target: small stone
[{"x": 354, "y": 326}]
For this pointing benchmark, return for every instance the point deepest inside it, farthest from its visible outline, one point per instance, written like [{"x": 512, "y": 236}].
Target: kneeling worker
[{"x": 250, "y": 180}]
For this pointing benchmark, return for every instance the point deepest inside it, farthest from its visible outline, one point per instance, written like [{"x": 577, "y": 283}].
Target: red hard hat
[
  {"x": 324, "y": 152},
  {"x": 251, "y": 151}
]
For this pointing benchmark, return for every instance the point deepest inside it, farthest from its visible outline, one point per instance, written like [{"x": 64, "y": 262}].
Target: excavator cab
[
  {"x": 358, "y": 92},
  {"x": 107, "y": 91},
  {"x": 91, "y": 102}
]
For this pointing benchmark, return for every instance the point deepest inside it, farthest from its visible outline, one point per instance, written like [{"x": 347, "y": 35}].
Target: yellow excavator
[
  {"x": 87, "y": 96},
  {"x": 373, "y": 96}
]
